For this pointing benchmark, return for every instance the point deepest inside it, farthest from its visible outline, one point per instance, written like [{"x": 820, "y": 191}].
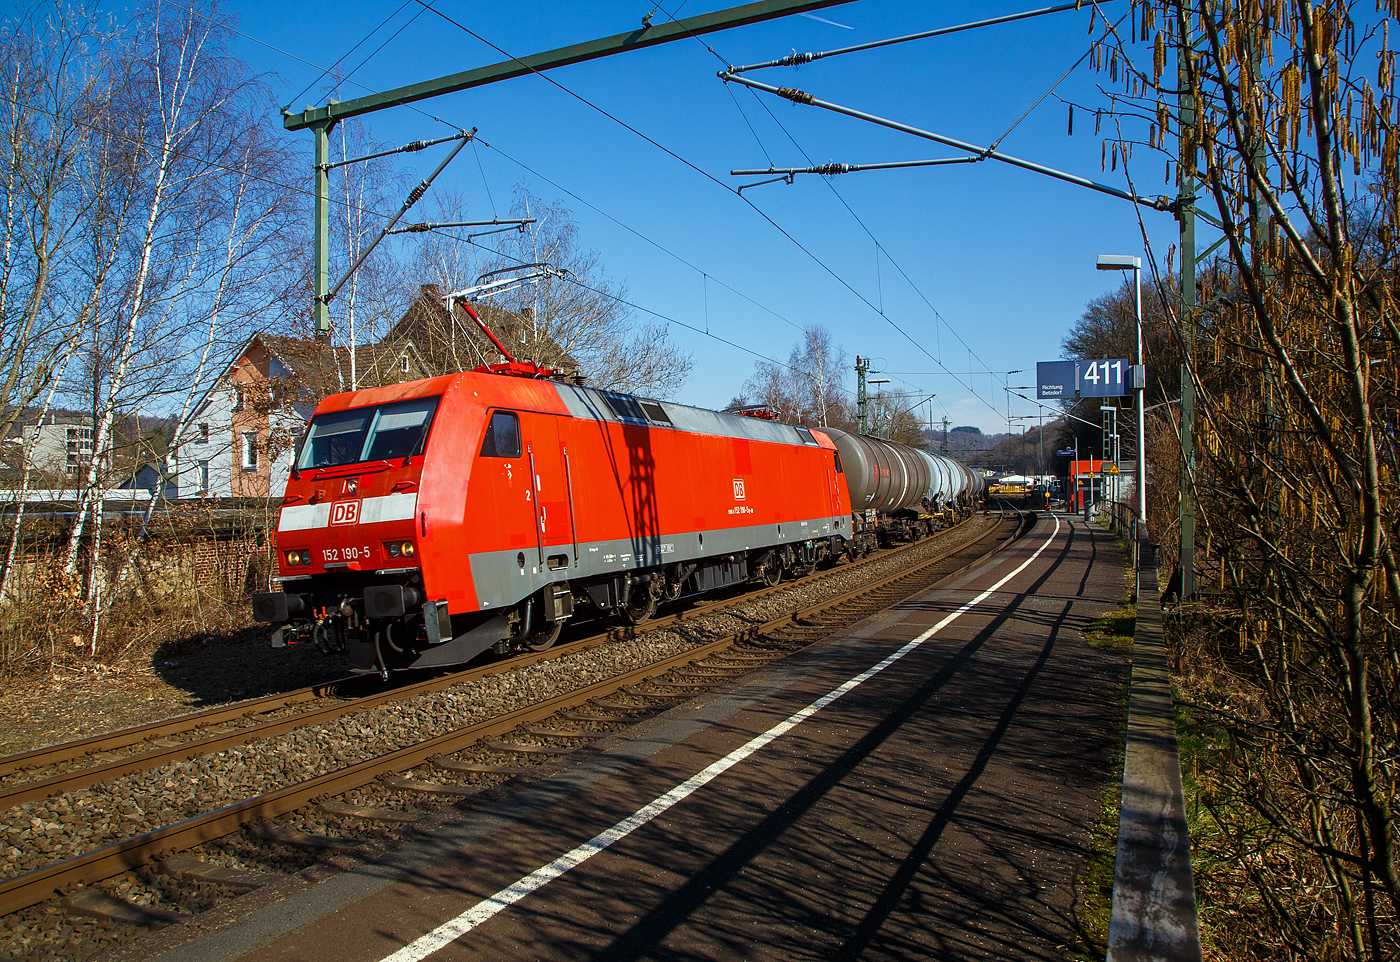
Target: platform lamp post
[
  {"x": 1124, "y": 262},
  {"x": 1023, "y": 387},
  {"x": 1006, "y": 382}
]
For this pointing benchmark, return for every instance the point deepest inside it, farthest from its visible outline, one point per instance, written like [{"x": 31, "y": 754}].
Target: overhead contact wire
[
  {"x": 762, "y": 103},
  {"x": 708, "y": 176}
]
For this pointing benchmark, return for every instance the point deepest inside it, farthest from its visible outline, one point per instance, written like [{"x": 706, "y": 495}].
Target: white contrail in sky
[{"x": 813, "y": 16}]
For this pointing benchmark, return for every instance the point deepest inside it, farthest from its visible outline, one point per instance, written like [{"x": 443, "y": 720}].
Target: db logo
[
  {"x": 345, "y": 512},
  {"x": 738, "y": 489}
]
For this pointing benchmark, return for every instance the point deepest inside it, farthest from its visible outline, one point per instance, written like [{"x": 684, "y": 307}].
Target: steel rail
[
  {"x": 180, "y": 724},
  {"x": 83, "y": 777},
  {"x": 1021, "y": 529},
  {"x": 25, "y": 890}
]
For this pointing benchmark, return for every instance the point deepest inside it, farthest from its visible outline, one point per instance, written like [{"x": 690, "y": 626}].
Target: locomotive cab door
[{"x": 550, "y": 492}]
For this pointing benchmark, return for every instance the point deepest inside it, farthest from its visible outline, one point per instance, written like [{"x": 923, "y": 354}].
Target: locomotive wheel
[
  {"x": 545, "y": 637},
  {"x": 772, "y": 572},
  {"x": 640, "y": 606}
]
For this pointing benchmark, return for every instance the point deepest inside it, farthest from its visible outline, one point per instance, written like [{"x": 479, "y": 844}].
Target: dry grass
[{"x": 1261, "y": 894}]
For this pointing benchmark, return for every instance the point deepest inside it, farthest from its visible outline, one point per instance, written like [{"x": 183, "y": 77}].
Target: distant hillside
[{"x": 964, "y": 441}]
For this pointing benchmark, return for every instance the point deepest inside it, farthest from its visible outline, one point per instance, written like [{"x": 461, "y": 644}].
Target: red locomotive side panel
[{"x": 589, "y": 497}]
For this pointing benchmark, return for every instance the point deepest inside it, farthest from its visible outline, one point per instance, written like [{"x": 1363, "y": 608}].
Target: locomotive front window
[
  {"x": 502, "y": 436},
  {"x": 399, "y": 430},
  {"x": 379, "y": 433},
  {"x": 335, "y": 438}
]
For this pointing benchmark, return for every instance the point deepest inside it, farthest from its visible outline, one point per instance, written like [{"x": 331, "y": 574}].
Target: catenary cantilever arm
[{"x": 982, "y": 153}]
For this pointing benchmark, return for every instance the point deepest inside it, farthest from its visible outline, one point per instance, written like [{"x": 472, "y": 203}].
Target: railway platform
[{"x": 921, "y": 785}]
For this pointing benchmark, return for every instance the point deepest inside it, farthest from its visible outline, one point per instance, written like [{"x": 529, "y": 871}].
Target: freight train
[{"x": 429, "y": 521}]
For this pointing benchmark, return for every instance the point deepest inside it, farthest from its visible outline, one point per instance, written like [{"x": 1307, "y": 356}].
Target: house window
[
  {"x": 79, "y": 446},
  {"x": 403, "y": 363},
  {"x": 202, "y": 434},
  {"x": 237, "y": 398},
  {"x": 203, "y": 471},
  {"x": 250, "y": 450}
]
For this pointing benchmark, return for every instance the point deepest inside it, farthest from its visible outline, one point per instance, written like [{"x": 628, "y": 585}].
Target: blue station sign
[{"x": 1055, "y": 380}]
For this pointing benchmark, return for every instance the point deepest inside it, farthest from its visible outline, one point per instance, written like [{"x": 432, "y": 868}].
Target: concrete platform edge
[{"x": 1154, "y": 894}]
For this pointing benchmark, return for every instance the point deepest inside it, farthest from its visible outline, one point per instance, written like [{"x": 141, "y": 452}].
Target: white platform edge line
[{"x": 450, "y": 931}]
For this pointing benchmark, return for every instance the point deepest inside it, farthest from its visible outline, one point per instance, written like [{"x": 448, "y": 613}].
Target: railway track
[
  {"x": 69, "y": 766},
  {"x": 460, "y": 761}
]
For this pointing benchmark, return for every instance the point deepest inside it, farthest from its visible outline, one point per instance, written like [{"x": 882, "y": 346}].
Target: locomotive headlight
[
  {"x": 298, "y": 556},
  {"x": 399, "y": 549}
]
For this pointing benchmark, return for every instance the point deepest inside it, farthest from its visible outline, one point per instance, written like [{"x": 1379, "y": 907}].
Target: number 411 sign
[{"x": 1104, "y": 378}]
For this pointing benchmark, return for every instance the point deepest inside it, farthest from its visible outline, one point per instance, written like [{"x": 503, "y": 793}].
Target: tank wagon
[
  {"x": 898, "y": 492},
  {"x": 429, "y": 521}
]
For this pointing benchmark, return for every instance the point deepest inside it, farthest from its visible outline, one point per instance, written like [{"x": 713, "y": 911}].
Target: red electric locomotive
[{"x": 429, "y": 521}]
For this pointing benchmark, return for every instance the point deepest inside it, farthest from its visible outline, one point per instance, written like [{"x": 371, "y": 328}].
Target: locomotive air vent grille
[
  {"x": 655, "y": 412},
  {"x": 626, "y": 408}
]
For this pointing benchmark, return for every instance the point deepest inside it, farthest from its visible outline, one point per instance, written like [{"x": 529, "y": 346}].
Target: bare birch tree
[
  {"x": 585, "y": 314},
  {"x": 810, "y": 388},
  {"x": 180, "y": 140},
  {"x": 50, "y": 90}
]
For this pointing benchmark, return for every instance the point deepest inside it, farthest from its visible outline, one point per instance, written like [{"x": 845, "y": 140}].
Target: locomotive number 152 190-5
[{"x": 347, "y": 553}]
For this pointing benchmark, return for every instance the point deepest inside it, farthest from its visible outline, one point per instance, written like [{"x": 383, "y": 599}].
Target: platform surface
[{"x": 921, "y": 786}]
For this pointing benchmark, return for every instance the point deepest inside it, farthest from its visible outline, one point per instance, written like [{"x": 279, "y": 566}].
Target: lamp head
[{"x": 1118, "y": 262}]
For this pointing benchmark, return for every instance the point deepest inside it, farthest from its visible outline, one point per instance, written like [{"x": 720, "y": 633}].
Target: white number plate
[{"x": 350, "y": 553}]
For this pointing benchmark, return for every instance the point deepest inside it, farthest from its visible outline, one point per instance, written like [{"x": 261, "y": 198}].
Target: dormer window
[{"x": 403, "y": 363}]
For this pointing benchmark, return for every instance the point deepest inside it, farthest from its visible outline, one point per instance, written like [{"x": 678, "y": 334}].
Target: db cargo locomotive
[{"x": 429, "y": 521}]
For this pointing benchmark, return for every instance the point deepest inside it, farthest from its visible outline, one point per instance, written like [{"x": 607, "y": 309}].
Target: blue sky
[{"x": 999, "y": 261}]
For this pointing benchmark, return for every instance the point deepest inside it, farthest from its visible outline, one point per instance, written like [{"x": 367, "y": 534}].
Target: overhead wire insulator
[{"x": 795, "y": 95}]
